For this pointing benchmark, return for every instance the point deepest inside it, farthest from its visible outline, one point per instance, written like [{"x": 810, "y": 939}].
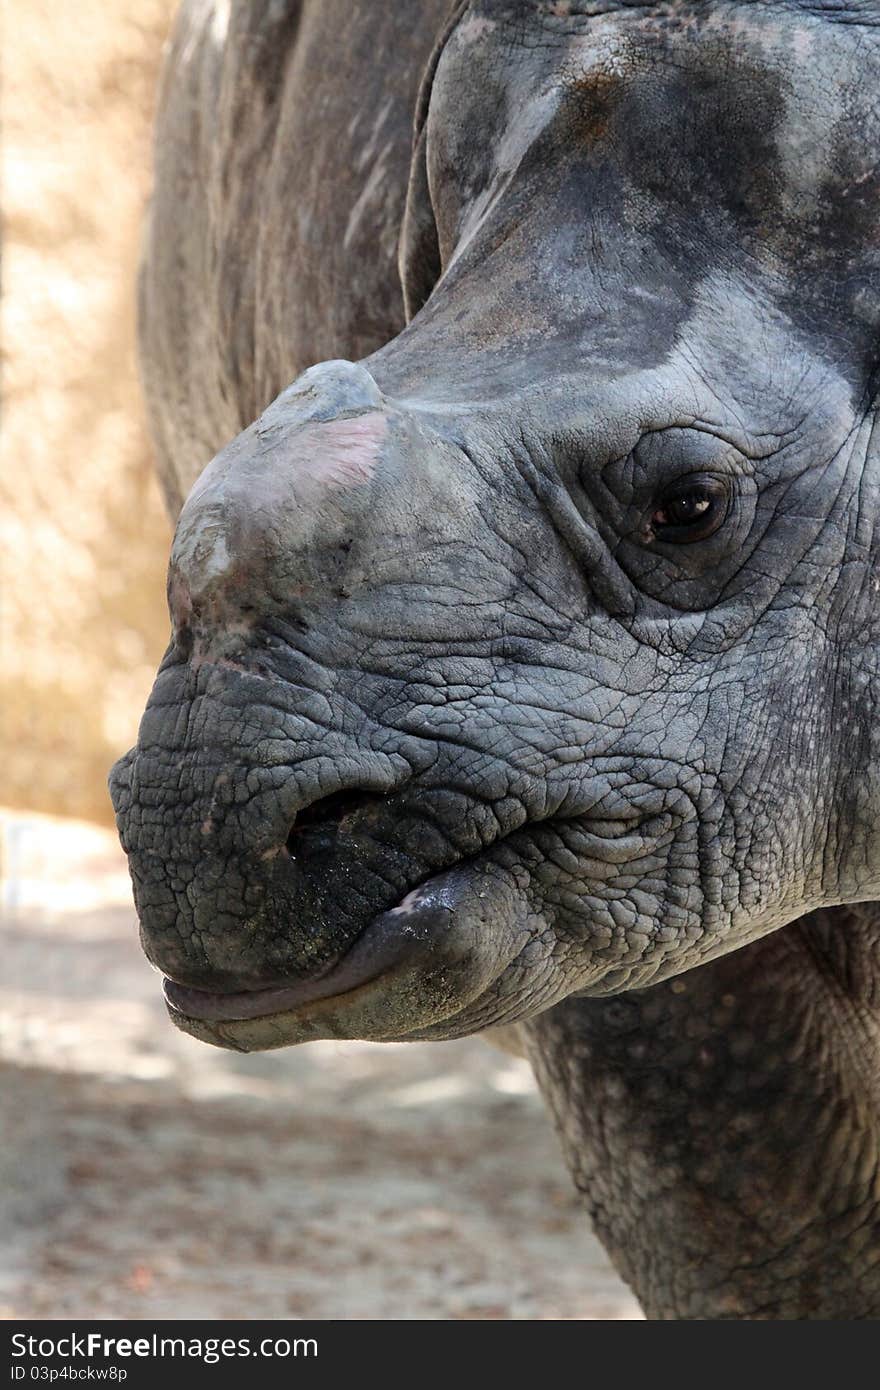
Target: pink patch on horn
[{"x": 341, "y": 453}]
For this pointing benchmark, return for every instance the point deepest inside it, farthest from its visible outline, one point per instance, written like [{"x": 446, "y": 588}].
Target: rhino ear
[{"x": 418, "y": 251}]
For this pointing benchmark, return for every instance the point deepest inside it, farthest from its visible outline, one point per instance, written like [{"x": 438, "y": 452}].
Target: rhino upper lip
[
  {"x": 372, "y": 954},
  {"x": 368, "y": 957}
]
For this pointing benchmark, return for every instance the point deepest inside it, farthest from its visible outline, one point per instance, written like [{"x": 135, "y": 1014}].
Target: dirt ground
[{"x": 145, "y": 1175}]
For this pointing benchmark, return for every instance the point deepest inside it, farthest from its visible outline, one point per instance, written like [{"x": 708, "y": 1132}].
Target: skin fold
[{"x": 525, "y": 648}]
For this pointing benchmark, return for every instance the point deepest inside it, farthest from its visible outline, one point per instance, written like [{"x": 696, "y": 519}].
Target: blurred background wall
[{"x": 83, "y": 537}]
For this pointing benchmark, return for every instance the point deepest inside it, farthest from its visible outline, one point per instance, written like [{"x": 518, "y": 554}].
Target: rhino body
[{"x": 526, "y": 649}]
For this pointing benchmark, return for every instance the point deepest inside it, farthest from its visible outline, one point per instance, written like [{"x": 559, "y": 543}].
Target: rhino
[{"x": 525, "y": 666}]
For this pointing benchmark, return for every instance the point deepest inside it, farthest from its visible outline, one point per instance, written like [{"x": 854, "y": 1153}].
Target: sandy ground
[{"x": 144, "y": 1175}]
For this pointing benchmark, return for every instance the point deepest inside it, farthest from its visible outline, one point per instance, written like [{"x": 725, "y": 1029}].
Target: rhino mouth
[
  {"x": 426, "y": 967},
  {"x": 373, "y": 955},
  {"x": 411, "y": 967}
]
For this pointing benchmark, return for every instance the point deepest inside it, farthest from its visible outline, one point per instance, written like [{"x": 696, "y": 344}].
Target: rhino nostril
[{"x": 335, "y": 810}]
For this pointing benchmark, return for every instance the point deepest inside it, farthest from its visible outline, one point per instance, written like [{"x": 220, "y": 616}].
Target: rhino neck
[{"x": 723, "y": 1127}]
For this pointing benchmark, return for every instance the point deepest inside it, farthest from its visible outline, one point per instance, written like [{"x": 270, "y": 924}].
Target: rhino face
[{"x": 538, "y": 653}]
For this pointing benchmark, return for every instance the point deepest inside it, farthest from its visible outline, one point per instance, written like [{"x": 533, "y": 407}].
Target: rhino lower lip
[{"x": 371, "y": 956}]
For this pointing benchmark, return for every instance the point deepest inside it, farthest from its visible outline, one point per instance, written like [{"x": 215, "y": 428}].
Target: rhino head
[{"x": 537, "y": 654}]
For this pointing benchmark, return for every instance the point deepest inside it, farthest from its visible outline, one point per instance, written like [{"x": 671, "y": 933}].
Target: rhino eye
[{"x": 690, "y": 509}]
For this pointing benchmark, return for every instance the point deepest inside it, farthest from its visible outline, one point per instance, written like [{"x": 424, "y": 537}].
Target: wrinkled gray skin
[{"x": 454, "y": 732}]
